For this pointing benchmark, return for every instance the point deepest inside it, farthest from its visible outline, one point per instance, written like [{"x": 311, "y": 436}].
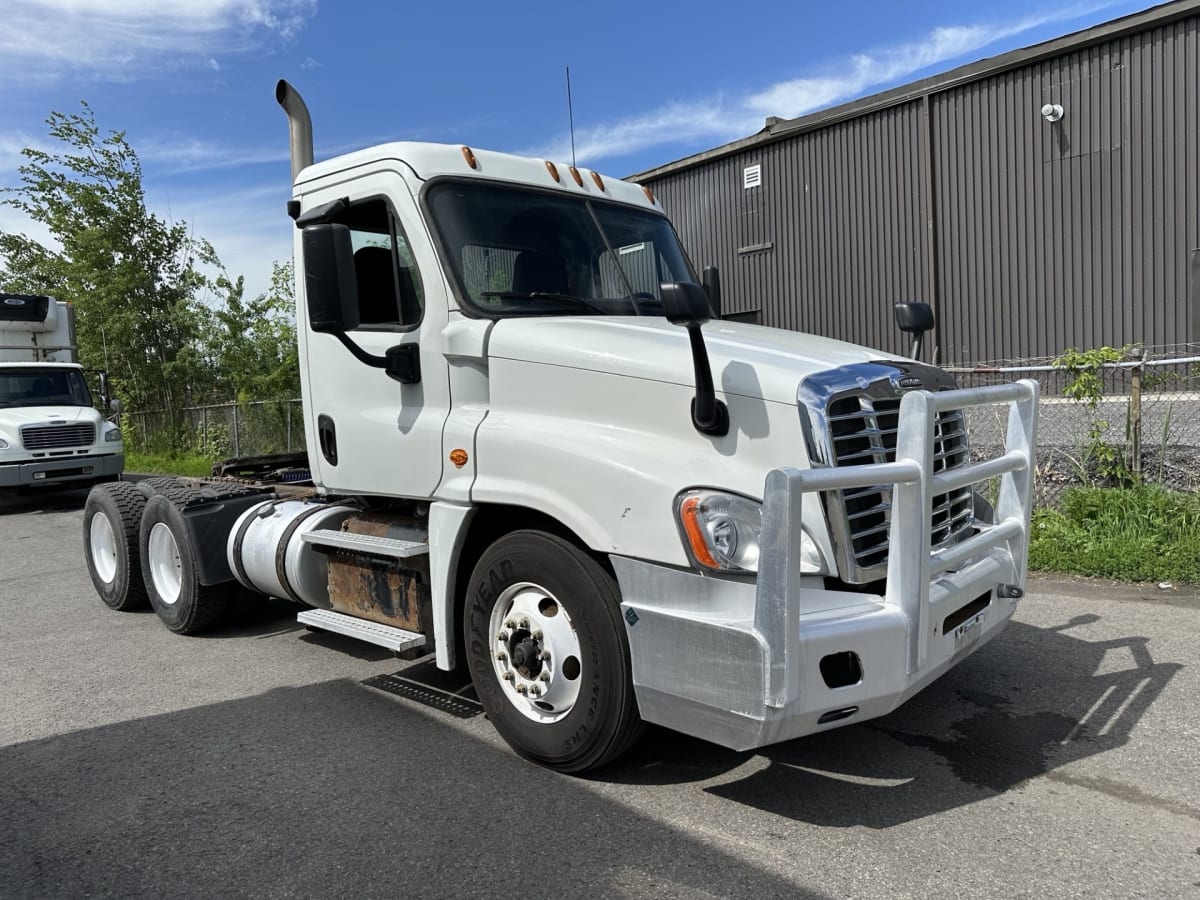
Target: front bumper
[
  {"x": 61, "y": 470},
  {"x": 747, "y": 663}
]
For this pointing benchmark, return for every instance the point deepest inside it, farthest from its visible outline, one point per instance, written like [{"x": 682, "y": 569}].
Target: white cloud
[
  {"x": 122, "y": 39},
  {"x": 722, "y": 118}
]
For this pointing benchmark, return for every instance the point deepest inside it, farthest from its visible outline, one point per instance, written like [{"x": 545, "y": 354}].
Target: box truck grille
[
  {"x": 49, "y": 437},
  {"x": 859, "y": 427}
]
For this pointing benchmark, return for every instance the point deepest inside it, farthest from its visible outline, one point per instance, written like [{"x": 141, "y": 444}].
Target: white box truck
[
  {"x": 535, "y": 455},
  {"x": 51, "y": 433}
]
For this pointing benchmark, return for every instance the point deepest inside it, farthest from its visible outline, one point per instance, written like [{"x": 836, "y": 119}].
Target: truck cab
[
  {"x": 50, "y": 430},
  {"x": 537, "y": 453}
]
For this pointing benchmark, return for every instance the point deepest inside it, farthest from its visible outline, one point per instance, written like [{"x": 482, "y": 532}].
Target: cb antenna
[{"x": 571, "y": 116}]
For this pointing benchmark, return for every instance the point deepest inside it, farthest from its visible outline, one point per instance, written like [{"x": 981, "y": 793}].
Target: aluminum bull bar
[{"x": 914, "y": 585}]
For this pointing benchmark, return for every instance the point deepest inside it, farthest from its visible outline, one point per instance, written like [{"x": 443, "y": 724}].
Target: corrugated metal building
[{"x": 1026, "y": 235}]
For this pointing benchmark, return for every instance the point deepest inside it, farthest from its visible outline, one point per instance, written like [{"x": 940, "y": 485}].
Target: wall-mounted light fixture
[{"x": 1052, "y": 112}]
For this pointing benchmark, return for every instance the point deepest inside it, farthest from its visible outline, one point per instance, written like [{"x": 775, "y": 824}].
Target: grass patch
[
  {"x": 168, "y": 464},
  {"x": 1127, "y": 534}
]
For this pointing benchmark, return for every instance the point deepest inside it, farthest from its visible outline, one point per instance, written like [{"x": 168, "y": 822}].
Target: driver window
[{"x": 390, "y": 294}]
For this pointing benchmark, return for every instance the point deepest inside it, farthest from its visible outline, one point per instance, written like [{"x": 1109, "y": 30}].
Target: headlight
[
  {"x": 112, "y": 433},
  {"x": 722, "y": 531}
]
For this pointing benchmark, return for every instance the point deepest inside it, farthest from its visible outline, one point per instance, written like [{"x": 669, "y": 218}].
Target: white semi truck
[
  {"x": 534, "y": 455},
  {"x": 51, "y": 433}
]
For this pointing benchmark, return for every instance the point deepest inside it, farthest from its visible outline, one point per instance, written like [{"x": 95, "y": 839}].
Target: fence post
[
  {"x": 237, "y": 444},
  {"x": 1135, "y": 414},
  {"x": 204, "y": 430},
  {"x": 288, "y": 410}
]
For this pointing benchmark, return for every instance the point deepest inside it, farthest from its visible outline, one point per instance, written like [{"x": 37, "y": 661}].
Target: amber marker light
[
  {"x": 575, "y": 174},
  {"x": 553, "y": 170},
  {"x": 459, "y": 458},
  {"x": 689, "y": 512},
  {"x": 599, "y": 181},
  {"x": 649, "y": 193},
  {"x": 470, "y": 157}
]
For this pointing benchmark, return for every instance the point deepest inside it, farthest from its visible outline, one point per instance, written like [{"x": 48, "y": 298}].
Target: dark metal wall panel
[
  {"x": 1044, "y": 235},
  {"x": 832, "y": 237},
  {"x": 1078, "y": 232}
]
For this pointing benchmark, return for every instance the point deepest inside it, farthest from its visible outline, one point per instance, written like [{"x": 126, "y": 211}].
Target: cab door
[{"x": 367, "y": 432}]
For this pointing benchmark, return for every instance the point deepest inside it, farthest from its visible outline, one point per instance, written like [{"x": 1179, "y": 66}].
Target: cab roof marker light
[
  {"x": 649, "y": 194},
  {"x": 575, "y": 174},
  {"x": 599, "y": 181},
  {"x": 553, "y": 170},
  {"x": 469, "y": 156}
]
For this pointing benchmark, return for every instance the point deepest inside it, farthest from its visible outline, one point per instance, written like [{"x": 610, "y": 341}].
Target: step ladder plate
[
  {"x": 366, "y": 543},
  {"x": 396, "y": 639}
]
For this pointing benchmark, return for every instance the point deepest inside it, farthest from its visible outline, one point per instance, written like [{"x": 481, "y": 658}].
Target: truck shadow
[
  {"x": 330, "y": 789},
  {"x": 42, "y": 500},
  {"x": 1025, "y": 705}
]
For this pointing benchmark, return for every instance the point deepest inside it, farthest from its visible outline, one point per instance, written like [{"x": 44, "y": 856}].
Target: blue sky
[{"x": 191, "y": 81}]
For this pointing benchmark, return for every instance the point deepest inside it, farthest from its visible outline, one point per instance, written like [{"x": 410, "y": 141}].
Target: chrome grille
[
  {"x": 863, "y": 430},
  {"x": 49, "y": 437},
  {"x": 859, "y": 427}
]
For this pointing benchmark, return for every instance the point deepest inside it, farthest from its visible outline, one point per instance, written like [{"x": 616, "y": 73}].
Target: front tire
[
  {"x": 548, "y": 653},
  {"x": 112, "y": 516},
  {"x": 169, "y": 569}
]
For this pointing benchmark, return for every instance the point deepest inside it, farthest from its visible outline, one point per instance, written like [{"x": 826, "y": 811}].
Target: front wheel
[{"x": 548, "y": 652}]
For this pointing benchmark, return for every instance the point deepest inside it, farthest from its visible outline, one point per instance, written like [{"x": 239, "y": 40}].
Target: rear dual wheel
[
  {"x": 112, "y": 517},
  {"x": 170, "y": 572}
]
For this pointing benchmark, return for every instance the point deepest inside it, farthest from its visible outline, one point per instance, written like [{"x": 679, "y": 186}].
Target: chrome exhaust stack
[{"x": 299, "y": 126}]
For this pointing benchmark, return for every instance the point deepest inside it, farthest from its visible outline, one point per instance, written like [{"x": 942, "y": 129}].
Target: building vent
[{"x": 752, "y": 176}]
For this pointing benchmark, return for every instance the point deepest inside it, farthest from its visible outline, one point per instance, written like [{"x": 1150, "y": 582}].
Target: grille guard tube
[{"x": 911, "y": 561}]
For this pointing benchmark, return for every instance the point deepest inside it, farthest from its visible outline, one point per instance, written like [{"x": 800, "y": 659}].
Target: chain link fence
[
  {"x": 1140, "y": 424},
  {"x": 221, "y": 430},
  {"x": 1143, "y": 427}
]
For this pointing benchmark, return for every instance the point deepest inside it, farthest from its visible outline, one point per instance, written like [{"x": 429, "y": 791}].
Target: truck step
[
  {"x": 366, "y": 543},
  {"x": 396, "y": 639}
]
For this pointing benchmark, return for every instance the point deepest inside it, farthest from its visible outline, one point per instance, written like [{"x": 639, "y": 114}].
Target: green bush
[{"x": 1140, "y": 533}]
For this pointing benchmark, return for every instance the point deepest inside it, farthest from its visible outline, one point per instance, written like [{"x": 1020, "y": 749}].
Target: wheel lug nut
[
  {"x": 545, "y": 676},
  {"x": 537, "y": 634},
  {"x": 535, "y": 691},
  {"x": 511, "y": 623},
  {"x": 525, "y": 624},
  {"x": 502, "y": 656},
  {"x": 522, "y": 689},
  {"x": 502, "y": 636},
  {"x": 544, "y": 656},
  {"x": 507, "y": 676}
]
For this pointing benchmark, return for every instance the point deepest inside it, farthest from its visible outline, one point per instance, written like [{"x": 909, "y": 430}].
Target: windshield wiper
[{"x": 543, "y": 295}]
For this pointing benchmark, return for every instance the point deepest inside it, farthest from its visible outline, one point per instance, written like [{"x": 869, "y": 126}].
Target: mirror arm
[
  {"x": 709, "y": 415},
  {"x": 401, "y": 362}
]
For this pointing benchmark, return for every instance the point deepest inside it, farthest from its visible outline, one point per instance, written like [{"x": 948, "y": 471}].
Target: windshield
[
  {"x": 521, "y": 252},
  {"x": 43, "y": 387}
]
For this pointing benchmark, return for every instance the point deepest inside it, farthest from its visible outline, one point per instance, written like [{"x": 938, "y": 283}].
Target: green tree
[
  {"x": 254, "y": 343},
  {"x": 135, "y": 279}
]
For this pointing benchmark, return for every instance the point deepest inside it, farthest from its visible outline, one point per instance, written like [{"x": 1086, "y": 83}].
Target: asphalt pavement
[{"x": 1061, "y": 760}]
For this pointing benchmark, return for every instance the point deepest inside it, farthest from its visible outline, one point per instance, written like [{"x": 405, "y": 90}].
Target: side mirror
[
  {"x": 914, "y": 319},
  {"x": 330, "y": 287},
  {"x": 711, "y": 278},
  {"x": 684, "y": 303},
  {"x": 687, "y": 305}
]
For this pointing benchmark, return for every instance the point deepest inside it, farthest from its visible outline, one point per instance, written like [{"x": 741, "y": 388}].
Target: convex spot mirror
[{"x": 329, "y": 283}]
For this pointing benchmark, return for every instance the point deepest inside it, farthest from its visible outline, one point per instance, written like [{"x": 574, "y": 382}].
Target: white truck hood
[
  {"x": 750, "y": 360},
  {"x": 17, "y": 416}
]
